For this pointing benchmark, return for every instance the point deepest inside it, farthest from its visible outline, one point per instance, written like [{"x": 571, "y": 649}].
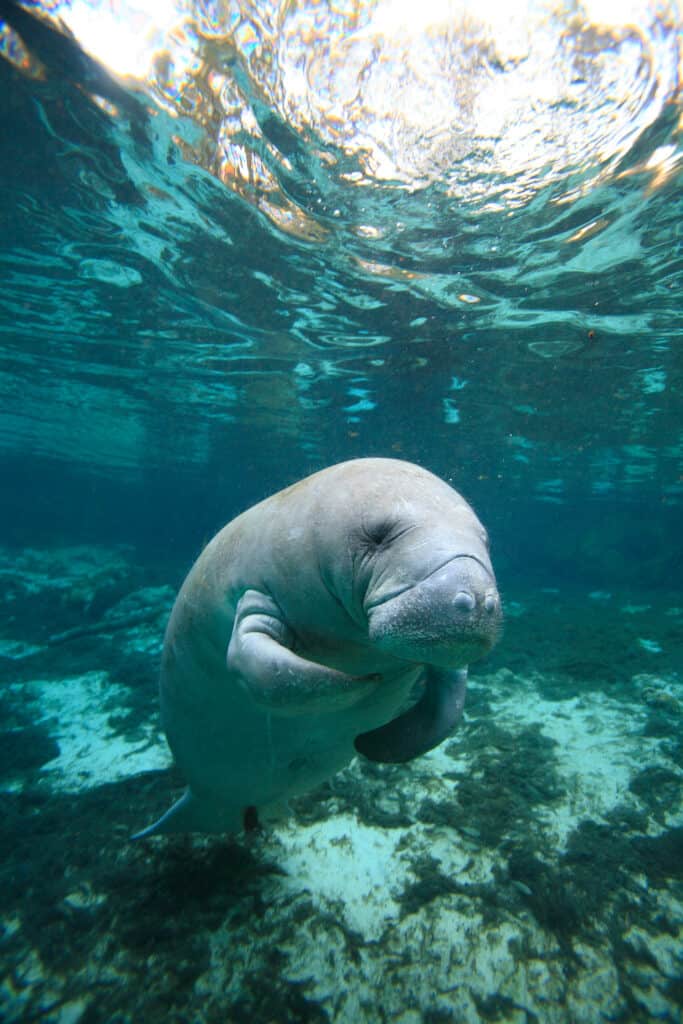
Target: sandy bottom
[{"x": 530, "y": 869}]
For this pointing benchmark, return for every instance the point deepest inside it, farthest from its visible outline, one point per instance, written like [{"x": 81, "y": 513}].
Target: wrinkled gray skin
[{"x": 338, "y": 615}]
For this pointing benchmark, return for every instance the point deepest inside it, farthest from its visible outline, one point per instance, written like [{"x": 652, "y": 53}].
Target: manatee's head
[{"x": 432, "y": 596}]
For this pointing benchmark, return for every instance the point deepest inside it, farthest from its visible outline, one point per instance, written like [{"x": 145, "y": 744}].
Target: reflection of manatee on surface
[{"x": 305, "y": 626}]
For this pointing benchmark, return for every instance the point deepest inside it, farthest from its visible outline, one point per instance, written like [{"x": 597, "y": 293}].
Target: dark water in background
[{"x": 210, "y": 288}]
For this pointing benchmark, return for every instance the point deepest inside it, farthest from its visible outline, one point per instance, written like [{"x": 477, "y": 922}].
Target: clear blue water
[{"x": 296, "y": 236}]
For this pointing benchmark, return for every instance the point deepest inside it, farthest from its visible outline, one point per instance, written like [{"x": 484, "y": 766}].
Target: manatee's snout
[
  {"x": 476, "y": 593},
  {"x": 448, "y": 619}
]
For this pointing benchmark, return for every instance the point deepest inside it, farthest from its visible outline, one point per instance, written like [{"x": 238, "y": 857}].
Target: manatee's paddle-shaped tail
[
  {"x": 189, "y": 814},
  {"x": 424, "y": 726}
]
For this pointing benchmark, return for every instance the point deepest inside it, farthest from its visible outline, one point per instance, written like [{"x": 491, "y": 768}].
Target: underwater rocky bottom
[{"x": 530, "y": 869}]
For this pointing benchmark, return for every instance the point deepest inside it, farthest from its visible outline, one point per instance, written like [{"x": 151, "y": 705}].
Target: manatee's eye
[{"x": 379, "y": 532}]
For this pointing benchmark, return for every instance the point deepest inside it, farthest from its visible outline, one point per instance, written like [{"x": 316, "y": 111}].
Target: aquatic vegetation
[{"x": 508, "y": 846}]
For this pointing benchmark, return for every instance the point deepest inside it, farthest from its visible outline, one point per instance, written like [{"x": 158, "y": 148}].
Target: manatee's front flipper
[
  {"x": 424, "y": 726},
  {"x": 260, "y": 653}
]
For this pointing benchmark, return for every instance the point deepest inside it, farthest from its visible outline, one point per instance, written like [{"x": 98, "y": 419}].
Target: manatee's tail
[
  {"x": 190, "y": 814},
  {"x": 177, "y": 818}
]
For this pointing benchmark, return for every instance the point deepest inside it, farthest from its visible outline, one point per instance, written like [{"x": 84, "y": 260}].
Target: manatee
[{"x": 337, "y": 616}]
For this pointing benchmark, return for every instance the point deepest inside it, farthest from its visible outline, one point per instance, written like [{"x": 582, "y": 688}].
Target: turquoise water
[{"x": 239, "y": 244}]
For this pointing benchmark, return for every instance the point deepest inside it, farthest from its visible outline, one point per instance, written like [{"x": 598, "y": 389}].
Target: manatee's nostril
[
  {"x": 490, "y": 603},
  {"x": 464, "y": 601}
]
